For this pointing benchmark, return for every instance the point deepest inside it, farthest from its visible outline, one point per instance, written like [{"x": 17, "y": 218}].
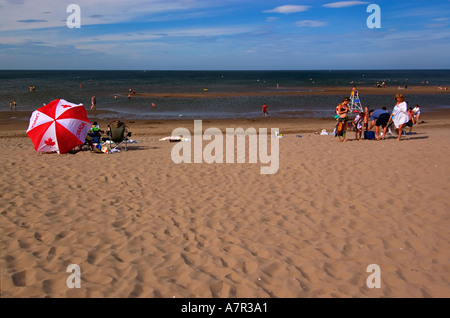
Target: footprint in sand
[{"x": 23, "y": 278}]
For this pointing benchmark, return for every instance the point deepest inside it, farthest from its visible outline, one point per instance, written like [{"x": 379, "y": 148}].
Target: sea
[{"x": 32, "y": 89}]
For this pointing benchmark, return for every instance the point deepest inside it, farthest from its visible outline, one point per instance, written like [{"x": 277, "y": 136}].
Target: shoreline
[
  {"x": 111, "y": 114},
  {"x": 16, "y": 127}
]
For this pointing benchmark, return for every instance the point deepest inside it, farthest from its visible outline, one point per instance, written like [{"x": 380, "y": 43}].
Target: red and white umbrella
[{"x": 58, "y": 126}]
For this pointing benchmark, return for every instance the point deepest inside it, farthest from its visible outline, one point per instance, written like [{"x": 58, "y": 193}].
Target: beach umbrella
[{"x": 59, "y": 126}]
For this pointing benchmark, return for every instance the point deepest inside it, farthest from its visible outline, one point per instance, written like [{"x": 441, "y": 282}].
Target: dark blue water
[{"x": 80, "y": 86}]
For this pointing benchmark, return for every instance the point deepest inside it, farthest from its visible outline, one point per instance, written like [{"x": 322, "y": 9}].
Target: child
[
  {"x": 358, "y": 125},
  {"x": 410, "y": 123},
  {"x": 95, "y": 133},
  {"x": 264, "y": 109},
  {"x": 416, "y": 116}
]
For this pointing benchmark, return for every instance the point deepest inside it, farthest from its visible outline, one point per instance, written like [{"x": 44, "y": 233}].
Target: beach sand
[{"x": 139, "y": 225}]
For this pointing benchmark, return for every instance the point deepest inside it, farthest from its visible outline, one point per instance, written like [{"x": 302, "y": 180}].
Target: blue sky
[{"x": 224, "y": 35}]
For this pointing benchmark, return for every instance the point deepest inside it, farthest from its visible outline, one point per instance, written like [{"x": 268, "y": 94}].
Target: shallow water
[{"x": 80, "y": 86}]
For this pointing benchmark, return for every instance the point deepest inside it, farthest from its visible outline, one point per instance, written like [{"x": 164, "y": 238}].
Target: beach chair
[{"x": 119, "y": 137}]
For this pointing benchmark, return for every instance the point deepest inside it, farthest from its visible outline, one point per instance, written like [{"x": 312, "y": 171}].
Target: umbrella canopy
[{"x": 58, "y": 126}]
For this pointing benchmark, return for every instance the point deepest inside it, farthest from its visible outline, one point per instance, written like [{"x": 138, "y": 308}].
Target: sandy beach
[{"x": 139, "y": 225}]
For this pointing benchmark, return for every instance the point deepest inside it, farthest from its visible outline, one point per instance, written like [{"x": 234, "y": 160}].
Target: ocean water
[{"x": 80, "y": 86}]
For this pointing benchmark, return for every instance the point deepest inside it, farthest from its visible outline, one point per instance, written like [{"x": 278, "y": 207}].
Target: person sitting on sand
[{"x": 95, "y": 133}]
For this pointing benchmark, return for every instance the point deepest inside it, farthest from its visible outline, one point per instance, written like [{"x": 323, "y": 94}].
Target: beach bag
[{"x": 369, "y": 135}]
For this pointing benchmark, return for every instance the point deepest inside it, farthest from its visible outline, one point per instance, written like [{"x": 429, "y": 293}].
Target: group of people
[
  {"x": 402, "y": 116},
  {"x": 94, "y": 137},
  {"x": 94, "y": 99},
  {"x": 131, "y": 93}
]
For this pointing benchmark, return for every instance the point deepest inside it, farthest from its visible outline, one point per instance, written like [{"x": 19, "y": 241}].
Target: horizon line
[{"x": 229, "y": 70}]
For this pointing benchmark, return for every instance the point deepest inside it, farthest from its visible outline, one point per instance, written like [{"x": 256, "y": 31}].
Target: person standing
[
  {"x": 93, "y": 103},
  {"x": 264, "y": 109},
  {"x": 14, "y": 105},
  {"x": 400, "y": 114},
  {"x": 366, "y": 118},
  {"x": 416, "y": 111},
  {"x": 341, "y": 128},
  {"x": 358, "y": 125},
  {"x": 410, "y": 123}
]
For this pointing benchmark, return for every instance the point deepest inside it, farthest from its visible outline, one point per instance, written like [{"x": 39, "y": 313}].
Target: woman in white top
[
  {"x": 416, "y": 111},
  {"x": 400, "y": 114}
]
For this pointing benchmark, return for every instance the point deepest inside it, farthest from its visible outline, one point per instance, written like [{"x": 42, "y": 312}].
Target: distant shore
[{"x": 301, "y": 91}]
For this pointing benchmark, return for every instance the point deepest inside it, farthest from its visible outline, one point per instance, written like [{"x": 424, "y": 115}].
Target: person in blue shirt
[
  {"x": 95, "y": 133},
  {"x": 379, "y": 117}
]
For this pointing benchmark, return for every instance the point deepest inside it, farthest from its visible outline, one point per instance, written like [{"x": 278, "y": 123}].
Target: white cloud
[
  {"x": 311, "y": 24},
  {"x": 288, "y": 9},
  {"x": 436, "y": 25},
  {"x": 116, "y": 39},
  {"x": 26, "y": 15},
  {"x": 202, "y": 32},
  {"x": 344, "y": 4}
]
